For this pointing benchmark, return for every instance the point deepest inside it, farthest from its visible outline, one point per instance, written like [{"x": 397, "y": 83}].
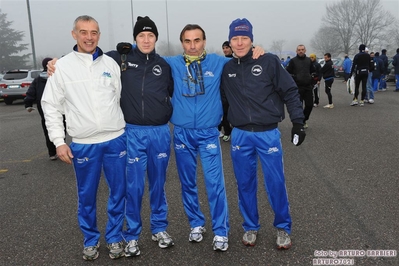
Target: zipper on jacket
[
  {"x": 245, "y": 89},
  {"x": 142, "y": 89}
]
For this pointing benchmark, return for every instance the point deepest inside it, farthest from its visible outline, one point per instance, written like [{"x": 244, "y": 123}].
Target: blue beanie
[{"x": 241, "y": 27}]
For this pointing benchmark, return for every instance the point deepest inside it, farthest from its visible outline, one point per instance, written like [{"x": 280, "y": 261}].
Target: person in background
[
  {"x": 286, "y": 62},
  {"x": 395, "y": 63},
  {"x": 34, "y": 94},
  {"x": 328, "y": 75},
  {"x": 383, "y": 82},
  {"x": 316, "y": 80},
  {"x": 376, "y": 76},
  {"x": 225, "y": 125},
  {"x": 255, "y": 129},
  {"x": 301, "y": 69},
  {"x": 346, "y": 65},
  {"x": 87, "y": 88},
  {"x": 361, "y": 66},
  {"x": 369, "y": 85}
]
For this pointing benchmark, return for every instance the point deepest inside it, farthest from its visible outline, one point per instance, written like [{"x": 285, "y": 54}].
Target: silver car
[{"x": 15, "y": 83}]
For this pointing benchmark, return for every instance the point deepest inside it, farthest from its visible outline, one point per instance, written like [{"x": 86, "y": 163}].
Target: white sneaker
[
  {"x": 354, "y": 102},
  {"x": 328, "y": 106},
  {"x": 283, "y": 239},
  {"x": 371, "y": 101},
  {"x": 132, "y": 248},
  {"x": 221, "y": 134},
  {"x": 220, "y": 243},
  {"x": 196, "y": 234}
]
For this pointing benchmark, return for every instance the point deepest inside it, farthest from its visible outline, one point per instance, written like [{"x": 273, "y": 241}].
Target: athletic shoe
[
  {"x": 305, "y": 125},
  {"x": 371, "y": 101},
  {"x": 384, "y": 89},
  {"x": 328, "y": 106},
  {"x": 221, "y": 134},
  {"x": 249, "y": 238},
  {"x": 132, "y": 248},
  {"x": 196, "y": 234},
  {"x": 315, "y": 104},
  {"x": 220, "y": 243},
  {"x": 361, "y": 103},
  {"x": 54, "y": 157},
  {"x": 354, "y": 102},
  {"x": 366, "y": 100},
  {"x": 116, "y": 250},
  {"x": 226, "y": 138},
  {"x": 91, "y": 252},
  {"x": 283, "y": 239},
  {"x": 164, "y": 239}
]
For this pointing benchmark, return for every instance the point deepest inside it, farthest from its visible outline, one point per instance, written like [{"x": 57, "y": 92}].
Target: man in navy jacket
[{"x": 257, "y": 91}]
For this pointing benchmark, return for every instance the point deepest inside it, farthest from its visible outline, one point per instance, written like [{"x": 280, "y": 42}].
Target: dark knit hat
[
  {"x": 45, "y": 61},
  {"x": 226, "y": 43},
  {"x": 241, "y": 27},
  {"x": 144, "y": 24},
  {"x": 362, "y": 47}
]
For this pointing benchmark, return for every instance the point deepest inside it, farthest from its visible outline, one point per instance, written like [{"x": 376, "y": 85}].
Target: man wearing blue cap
[{"x": 256, "y": 90}]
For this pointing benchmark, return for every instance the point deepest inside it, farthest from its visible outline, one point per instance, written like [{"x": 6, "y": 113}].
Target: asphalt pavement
[{"x": 343, "y": 187}]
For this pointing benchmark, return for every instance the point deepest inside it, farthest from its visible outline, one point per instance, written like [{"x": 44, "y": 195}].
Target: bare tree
[
  {"x": 277, "y": 46},
  {"x": 327, "y": 40},
  {"x": 359, "y": 21},
  {"x": 341, "y": 18},
  {"x": 373, "y": 22}
]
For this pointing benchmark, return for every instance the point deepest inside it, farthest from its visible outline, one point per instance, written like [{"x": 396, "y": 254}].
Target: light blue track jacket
[{"x": 203, "y": 110}]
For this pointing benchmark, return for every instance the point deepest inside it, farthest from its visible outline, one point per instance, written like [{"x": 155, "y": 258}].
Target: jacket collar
[{"x": 246, "y": 57}]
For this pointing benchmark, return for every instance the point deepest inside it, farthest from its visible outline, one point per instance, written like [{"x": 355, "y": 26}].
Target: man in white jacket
[{"x": 86, "y": 88}]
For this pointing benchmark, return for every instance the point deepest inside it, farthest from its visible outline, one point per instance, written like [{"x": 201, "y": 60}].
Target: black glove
[
  {"x": 297, "y": 134},
  {"x": 124, "y": 47}
]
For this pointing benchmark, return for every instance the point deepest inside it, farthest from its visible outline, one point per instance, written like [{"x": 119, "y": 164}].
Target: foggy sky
[{"x": 294, "y": 21}]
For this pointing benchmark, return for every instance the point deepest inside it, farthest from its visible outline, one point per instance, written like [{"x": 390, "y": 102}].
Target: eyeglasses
[
  {"x": 123, "y": 64},
  {"x": 194, "y": 81}
]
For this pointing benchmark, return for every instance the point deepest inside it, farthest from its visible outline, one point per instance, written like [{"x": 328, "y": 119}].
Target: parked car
[
  {"x": 15, "y": 83},
  {"x": 338, "y": 70},
  {"x": 391, "y": 75}
]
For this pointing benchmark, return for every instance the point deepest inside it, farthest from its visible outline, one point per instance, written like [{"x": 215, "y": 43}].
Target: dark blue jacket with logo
[
  {"x": 257, "y": 90},
  {"x": 147, "y": 86}
]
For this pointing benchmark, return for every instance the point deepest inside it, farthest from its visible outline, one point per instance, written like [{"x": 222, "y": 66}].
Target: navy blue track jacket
[
  {"x": 147, "y": 86},
  {"x": 257, "y": 90}
]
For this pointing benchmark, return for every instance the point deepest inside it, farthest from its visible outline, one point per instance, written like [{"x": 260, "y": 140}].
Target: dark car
[
  {"x": 15, "y": 83},
  {"x": 391, "y": 75},
  {"x": 338, "y": 69}
]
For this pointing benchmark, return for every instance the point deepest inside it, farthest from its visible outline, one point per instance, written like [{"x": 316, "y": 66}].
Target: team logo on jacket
[
  {"x": 208, "y": 74},
  {"x": 106, "y": 74},
  {"x": 256, "y": 70},
  {"x": 157, "y": 70}
]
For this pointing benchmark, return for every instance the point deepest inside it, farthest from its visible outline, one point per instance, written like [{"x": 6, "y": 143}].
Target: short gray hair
[{"x": 84, "y": 18}]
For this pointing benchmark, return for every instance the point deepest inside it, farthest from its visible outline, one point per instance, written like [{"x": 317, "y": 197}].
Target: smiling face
[
  {"x": 87, "y": 35},
  {"x": 145, "y": 41},
  {"x": 227, "y": 50},
  {"x": 193, "y": 42},
  {"x": 240, "y": 45}
]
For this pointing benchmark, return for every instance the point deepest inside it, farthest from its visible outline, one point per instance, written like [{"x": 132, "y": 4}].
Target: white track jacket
[{"x": 88, "y": 92}]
